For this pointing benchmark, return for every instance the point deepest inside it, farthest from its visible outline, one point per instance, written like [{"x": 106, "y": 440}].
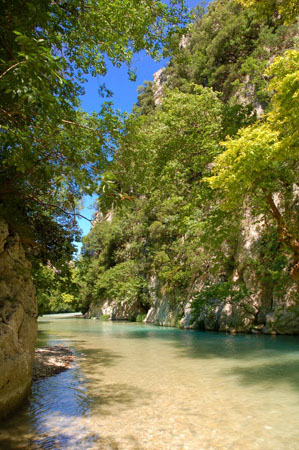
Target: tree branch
[
  {"x": 80, "y": 126},
  {"x": 10, "y": 68},
  {"x": 52, "y": 206},
  {"x": 274, "y": 210}
]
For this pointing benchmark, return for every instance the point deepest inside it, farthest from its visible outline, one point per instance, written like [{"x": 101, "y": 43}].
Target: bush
[
  {"x": 140, "y": 317},
  {"x": 121, "y": 282},
  {"x": 105, "y": 317}
]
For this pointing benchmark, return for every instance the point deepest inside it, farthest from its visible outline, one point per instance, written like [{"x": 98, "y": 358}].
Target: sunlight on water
[{"x": 143, "y": 387}]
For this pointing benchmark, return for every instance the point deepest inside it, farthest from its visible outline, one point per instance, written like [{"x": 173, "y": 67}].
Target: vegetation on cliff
[
  {"x": 219, "y": 146},
  {"x": 179, "y": 176}
]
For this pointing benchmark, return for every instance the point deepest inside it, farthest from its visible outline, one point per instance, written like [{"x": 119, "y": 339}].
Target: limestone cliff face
[
  {"x": 114, "y": 310},
  {"x": 160, "y": 79},
  {"x": 164, "y": 311},
  {"x": 262, "y": 311},
  {"x": 281, "y": 318},
  {"x": 264, "y": 305},
  {"x": 18, "y": 327}
]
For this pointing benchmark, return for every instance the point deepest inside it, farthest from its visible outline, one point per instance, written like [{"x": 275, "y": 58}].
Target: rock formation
[
  {"x": 18, "y": 327},
  {"x": 264, "y": 310},
  {"x": 113, "y": 310}
]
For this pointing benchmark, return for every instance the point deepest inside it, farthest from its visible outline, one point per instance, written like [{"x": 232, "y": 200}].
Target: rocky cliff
[
  {"x": 263, "y": 310},
  {"x": 282, "y": 317},
  {"x": 114, "y": 310},
  {"x": 254, "y": 293},
  {"x": 176, "y": 251},
  {"x": 18, "y": 327}
]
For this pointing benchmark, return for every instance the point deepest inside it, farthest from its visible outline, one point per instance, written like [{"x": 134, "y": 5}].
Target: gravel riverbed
[{"x": 50, "y": 361}]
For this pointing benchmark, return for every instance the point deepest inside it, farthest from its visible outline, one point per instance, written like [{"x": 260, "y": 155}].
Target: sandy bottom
[{"x": 138, "y": 387}]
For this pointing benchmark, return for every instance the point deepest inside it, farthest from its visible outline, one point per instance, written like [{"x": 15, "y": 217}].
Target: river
[{"x": 137, "y": 386}]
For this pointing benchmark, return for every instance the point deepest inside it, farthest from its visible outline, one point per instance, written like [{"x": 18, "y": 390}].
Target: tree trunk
[{"x": 286, "y": 237}]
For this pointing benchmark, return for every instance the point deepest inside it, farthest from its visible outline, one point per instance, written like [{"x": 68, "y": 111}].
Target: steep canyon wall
[
  {"x": 18, "y": 327},
  {"x": 265, "y": 309}
]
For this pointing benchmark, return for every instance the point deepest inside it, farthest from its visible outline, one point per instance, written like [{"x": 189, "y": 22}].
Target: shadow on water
[
  {"x": 123, "y": 395},
  {"x": 269, "y": 374},
  {"x": 60, "y": 407},
  {"x": 55, "y": 418},
  {"x": 137, "y": 331},
  {"x": 207, "y": 345},
  {"x": 94, "y": 357},
  {"x": 43, "y": 338},
  {"x": 109, "y": 442},
  {"x": 20, "y": 439},
  {"x": 242, "y": 347},
  {"x": 101, "y": 393},
  {"x": 254, "y": 348},
  {"x": 46, "y": 337}
]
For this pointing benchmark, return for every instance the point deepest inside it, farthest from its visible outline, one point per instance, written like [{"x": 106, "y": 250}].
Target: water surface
[{"x": 137, "y": 386}]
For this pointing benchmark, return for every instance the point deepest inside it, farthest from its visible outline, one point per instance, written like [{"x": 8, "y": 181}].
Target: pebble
[{"x": 50, "y": 361}]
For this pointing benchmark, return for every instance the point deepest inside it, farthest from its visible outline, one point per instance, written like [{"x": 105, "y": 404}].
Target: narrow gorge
[{"x": 149, "y": 246}]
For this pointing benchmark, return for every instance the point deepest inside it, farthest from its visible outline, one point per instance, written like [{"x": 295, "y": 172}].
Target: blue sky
[{"x": 125, "y": 95}]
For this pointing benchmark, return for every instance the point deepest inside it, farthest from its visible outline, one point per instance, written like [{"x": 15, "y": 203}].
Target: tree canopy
[
  {"x": 51, "y": 151},
  {"x": 288, "y": 9}
]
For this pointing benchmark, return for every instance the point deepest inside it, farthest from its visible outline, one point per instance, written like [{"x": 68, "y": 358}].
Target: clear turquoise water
[{"x": 137, "y": 386}]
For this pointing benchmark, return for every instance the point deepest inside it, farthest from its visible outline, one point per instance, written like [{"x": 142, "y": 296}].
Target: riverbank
[{"x": 49, "y": 361}]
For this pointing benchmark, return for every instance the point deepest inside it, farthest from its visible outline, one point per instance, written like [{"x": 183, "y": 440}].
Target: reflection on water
[
  {"x": 56, "y": 417},
  {"x": 142, "y": 387}
]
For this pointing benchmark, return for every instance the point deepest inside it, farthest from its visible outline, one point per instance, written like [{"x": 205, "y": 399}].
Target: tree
[
  {"x": 288, "y": 9},
  {"x": 161, "y": 152},
  {"x": 56, "y": 290},
  {"x": 51, "y": 151},
  {"x": 186, "y": 241},
  {"x": 227, "y": 48},
  {"x": 261, "y": 165},
  {"x": 159, "y": 167}
]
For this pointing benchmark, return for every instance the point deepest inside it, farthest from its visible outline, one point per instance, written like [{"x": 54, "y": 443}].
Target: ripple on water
[{"x": 142, "y": 387}]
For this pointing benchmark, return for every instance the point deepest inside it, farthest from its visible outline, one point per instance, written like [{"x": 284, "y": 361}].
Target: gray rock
[{"x": 18, "y": 328}]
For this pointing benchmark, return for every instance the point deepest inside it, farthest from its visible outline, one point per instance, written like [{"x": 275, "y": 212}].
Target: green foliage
[
  {"x": 155, "y": 232},
  {"x": 228, "y": 48},
  {"x": 121, "y": 282},
  {"x": 145, "y": 100},
  {"x": 163, "y": 226},
  {"x": 271, "y": 263},
  {"x": 56, "y": 291},
  {"x": 51, "y": 151},
  {"x": 227, "y": 291},
  {"x": 140, "y": 317},
  {"x": 108, "y": 267},
  {"x": 105, "y": 317},
  {"x": 288, "y": 9},
  {"x": 263, "y": 160}
]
